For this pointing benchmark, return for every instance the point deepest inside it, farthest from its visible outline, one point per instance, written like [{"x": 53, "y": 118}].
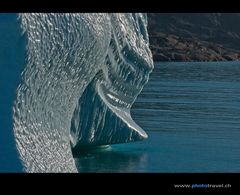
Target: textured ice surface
[{"x": 82, "y": 74}]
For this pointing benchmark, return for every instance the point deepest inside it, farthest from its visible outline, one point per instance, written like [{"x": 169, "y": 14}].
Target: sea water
[{"x": 191, "y": 113}]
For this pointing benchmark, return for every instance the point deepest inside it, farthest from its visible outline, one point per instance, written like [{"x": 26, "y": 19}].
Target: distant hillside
[{"x": 194, "y": 36}]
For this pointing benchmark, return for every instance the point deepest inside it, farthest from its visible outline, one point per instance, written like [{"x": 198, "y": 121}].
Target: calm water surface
[{"x": 191, "y": 112}]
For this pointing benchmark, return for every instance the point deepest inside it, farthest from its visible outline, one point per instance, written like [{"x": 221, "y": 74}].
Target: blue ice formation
[{"x": 82, "y": 74}]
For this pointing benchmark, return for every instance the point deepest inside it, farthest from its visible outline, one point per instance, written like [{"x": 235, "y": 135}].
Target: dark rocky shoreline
[{"x": 194, "y": 37}]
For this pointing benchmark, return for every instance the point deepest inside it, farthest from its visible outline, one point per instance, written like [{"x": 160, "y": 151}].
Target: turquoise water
[
  {"x": 191, "y": 112},
  {"x": 11, "y": 64}
]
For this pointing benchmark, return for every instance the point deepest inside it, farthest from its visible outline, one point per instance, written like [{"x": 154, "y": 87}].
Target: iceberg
[{"x": 82, "y": 73}]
